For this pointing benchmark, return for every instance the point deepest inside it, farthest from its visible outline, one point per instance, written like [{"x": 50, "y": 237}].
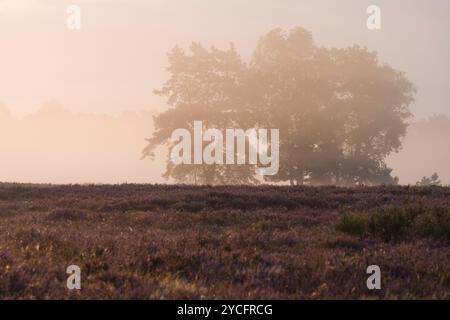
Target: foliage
[
  {"x": 398, "y": 223},
  {"x": 431, "y": 181},
  {"x": 340, "y": 111}
]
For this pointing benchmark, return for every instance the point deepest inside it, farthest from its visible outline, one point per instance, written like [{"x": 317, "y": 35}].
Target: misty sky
[{"x": 118, "y": 58}]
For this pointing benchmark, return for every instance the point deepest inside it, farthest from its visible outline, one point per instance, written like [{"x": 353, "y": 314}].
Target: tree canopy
[{"x": 340, "y": 112}]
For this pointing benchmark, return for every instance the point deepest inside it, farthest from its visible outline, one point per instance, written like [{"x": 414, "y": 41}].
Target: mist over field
[{"x": 55, "y": 145}]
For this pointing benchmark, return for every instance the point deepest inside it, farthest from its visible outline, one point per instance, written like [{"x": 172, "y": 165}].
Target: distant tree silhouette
[
  {"x": 340, "y": 111},
  {"x": 429, "y": 181},
  {"x": 204, "y": 85}
]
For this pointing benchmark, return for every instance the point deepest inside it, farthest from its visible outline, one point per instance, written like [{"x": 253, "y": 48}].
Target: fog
[
  {"x": 54, "y": 145},
  {"x": 425, "y": 151},
  {"x": 98, "y": 82}
]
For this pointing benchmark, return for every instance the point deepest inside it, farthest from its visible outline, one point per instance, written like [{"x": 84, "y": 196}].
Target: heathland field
[{"x": 173, "y": 242}]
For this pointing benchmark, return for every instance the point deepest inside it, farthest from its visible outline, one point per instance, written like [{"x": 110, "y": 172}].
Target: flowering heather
[{"x": 266, "y": 242}]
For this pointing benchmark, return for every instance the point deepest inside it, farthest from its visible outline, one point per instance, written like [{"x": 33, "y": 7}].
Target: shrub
[
  {"x": 354, "y": 223},
  {"x": 393, "y": 223},
  {"x": 435, "y": 224},
  {"x": 397, "y": 223}
]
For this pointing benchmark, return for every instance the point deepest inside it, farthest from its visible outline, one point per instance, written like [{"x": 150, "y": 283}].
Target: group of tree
[
  {"x": 340, "y": 112},
  {"x": 433, "y": 180}
]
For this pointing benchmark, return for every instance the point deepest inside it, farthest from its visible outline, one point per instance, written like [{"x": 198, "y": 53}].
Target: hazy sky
[{"x": 118, "y": 57}]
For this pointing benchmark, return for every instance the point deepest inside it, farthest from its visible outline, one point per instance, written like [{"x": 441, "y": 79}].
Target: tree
[
  {"x": 431, "y": 181},
  {"x": 204, "y": 85},
  {"x": 340, "y": 112}
]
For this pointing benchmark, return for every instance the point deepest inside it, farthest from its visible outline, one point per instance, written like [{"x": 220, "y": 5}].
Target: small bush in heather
[
  {"x": 398, "y": 224},
  {"x": 355, "y": 223},
  {"x": 393, "y": 223},
  {"x": 435, "y": 224}
]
